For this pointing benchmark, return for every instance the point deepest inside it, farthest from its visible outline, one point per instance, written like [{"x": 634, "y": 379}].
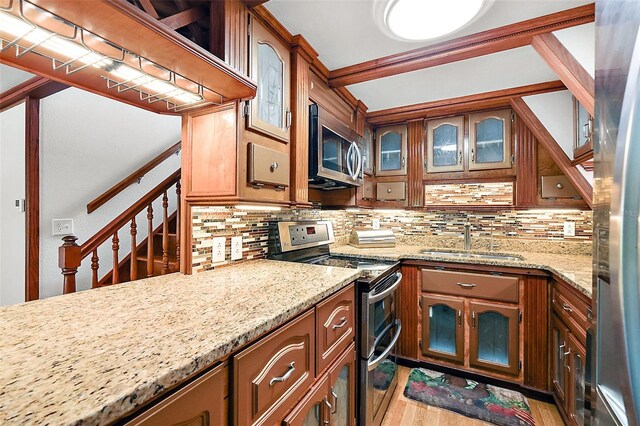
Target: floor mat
[{"x": 472, "y": 399}]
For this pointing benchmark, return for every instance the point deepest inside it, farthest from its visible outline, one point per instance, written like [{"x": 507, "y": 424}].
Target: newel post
[{"x": 69, "y": 261}]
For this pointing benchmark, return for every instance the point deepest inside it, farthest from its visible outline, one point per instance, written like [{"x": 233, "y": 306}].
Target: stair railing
[{"x": 71, "y": 255}]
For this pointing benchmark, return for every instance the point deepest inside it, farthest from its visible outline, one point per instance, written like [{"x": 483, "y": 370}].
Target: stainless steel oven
[
  {"x": 378, "y": 341},
  {"x": 335, "y": 156}
]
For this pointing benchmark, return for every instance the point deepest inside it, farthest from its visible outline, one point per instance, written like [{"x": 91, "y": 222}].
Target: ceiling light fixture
[
  {"x": 419, "y": 20},
  {"x": 76, "y": 50}
]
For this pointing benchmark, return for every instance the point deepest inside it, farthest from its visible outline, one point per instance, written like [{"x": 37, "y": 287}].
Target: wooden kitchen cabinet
[
  {"x": 314, "y": 408},
  {"x": 367, "y": 151},
  {"x": 445, "y": 145},
  {"x": 582, "y": 132},
  {"x": 442, "y": 327},
  {"x": 270, "y": 67},
  {"x": 335, "y": 326},
  {"x": 490, "y": 140},
  {"x": 577, "y": 382},
  {"x": 494, "y": 341},
  {"x": 559, "y": 379},
  {"x": 391, "y": 151}
]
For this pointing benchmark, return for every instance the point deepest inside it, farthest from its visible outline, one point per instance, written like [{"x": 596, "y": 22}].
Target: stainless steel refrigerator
[{"x": 615, "y": 392}]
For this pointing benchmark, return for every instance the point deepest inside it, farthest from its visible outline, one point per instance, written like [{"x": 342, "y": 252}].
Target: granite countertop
[
  {"x": 92, "y": 356},
  {"x": 572, "y": 268}
]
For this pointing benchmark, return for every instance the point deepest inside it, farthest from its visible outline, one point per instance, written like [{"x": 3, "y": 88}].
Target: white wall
[
  {"x": 581, "y": 42},
  {"x": 555, "y": 111},
  {"x": 12, "y": 222},
  {"x": 10, "y": 77},
  {"x": 89, "y": 143}
]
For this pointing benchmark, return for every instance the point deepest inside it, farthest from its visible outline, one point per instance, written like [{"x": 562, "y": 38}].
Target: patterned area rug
[{"x": 469, "y": 398}]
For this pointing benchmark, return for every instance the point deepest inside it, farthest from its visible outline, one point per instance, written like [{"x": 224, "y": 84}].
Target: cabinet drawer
[
  {"x": 268, "y": 166},
  {"x": 558, "y": 187},
  {"x": 274, "y": 373},
  {"x": 471, "y": 285},
  {"x": 334, "y": 327},
  {"x": 390, "y": 191},
  {"x": 572, "y": 312},
  {"x": 202, "y": 402}
]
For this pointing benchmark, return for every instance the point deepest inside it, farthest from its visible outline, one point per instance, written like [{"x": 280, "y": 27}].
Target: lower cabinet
[
  {"x": 442, "y": 328},
  {"x": 332, "y": 398}
]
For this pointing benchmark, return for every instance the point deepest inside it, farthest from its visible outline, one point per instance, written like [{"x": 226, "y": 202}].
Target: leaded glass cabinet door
[
  {"x": 490, "y": 140},
  {"x": 577, "y": 357},
  {"x": 342, "y": 392},
  {"x": 560, "y": 348},
  {"x": 270, "y": 67},
  {"x": 391, "y": 151},
  {"x": 582, "y": 129},
  {"x": 494, "y": 339},
  {"x": 367, "y": 151},
  {"x": 314, "y": 409},
  {"x": 445, "y": 145},
  {"x": 443, "y": 328}
]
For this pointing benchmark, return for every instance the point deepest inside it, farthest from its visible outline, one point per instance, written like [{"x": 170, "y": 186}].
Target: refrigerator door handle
[{"x": 625, "y": 237}]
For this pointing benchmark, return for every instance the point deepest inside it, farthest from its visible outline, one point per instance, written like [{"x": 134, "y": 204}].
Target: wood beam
[
  {"x": 32, "y": 194},
  {"x": 194, "y": 29},
  {"x": 471, "y": 46},
  {"x": 440, "y": 108},
  {"x": 36, "y": 87},
  {"x": 555, "y": 151},
  {"x": 562, "y": 62},
  {"x": 148, "y": 7},
  {"x": 184, "y": 18}
]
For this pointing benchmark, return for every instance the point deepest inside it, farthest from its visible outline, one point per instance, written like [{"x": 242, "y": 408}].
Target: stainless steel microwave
[{"x": 335, "y": 155}]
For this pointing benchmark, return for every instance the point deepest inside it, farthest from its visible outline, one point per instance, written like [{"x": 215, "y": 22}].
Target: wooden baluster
[
  {"x": 69, "y": 261},
  {"x": 95, "y": 264},
  {"x": 178, "y": 192},
  {"x": 134, "y": 251},
  {"x": 165, "y": 235},
  {"x": 115, "y": 247},
  {"x": 150, "y": 241}
]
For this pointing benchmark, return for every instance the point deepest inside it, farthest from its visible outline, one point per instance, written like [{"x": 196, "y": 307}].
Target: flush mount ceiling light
[{"x": 419, "y": 20}]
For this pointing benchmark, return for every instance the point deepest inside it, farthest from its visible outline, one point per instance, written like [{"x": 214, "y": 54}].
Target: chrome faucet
[{"x": 467, "y": 236}]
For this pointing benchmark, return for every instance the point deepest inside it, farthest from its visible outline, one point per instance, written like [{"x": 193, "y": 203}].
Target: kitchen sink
[{"x": 458, "y": 254}]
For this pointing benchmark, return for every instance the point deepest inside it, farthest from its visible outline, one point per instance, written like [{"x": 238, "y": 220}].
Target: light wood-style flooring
[{"x": 403, "y": 411}]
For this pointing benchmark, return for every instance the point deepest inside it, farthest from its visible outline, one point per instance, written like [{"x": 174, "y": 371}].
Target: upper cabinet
[
  {"x": 367, "y": 151},
  {"x": 391, "y": 151},
  {"x": 490, "y": 140},
  {"x": 270, "y": 110},
  {"x": 445, "y": 145},
  {"x": 582, "y": 131}
]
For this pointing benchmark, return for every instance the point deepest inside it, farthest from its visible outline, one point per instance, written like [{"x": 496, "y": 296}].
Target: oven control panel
[{"x": 301, "y": 234}]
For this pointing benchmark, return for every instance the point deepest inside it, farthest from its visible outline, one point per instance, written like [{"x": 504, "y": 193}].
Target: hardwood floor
[{"x": 403, "y": 411}]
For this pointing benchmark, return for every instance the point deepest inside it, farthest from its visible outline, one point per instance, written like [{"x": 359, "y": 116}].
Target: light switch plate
[
  {"x": 62, "y": 226},
  {"x": 376, "y": 223},
  {"x": 217, "y": 250},
  {"x": 569, "y": 229},
  {"x": 236, "y": 248}
]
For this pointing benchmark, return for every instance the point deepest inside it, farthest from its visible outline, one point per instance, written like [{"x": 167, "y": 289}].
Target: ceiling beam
[
  {"x": 148, "y": 7},
  {"x": 567, "y": 68},
  {"x": 462, "y": 104},
  {"x": 35, "y": 88},
  {"x": 471, "y": 46},
  {"x": 184, "y": 18},
  {"x": 555, "y": 151}
]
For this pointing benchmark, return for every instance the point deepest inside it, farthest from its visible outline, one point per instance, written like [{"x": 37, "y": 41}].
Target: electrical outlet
[
  {"x": 236, "y": 248},
  {"x": 217, "y": 249},
  {"x": 62, "y": 226},
  {"x": 376, "y": 223},
  {"x": 569, "y": 229}
]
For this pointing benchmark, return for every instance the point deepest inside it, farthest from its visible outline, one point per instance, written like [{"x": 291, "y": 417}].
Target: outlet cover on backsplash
[
  {"x": 569, "y": 229},
  {"x": 375, "y": 223},
  {"x": 236, "y": 248},
  {"x": 217, "y": 252}
]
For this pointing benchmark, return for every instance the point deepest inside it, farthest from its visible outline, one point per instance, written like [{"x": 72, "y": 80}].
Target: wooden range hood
[{"x": 117, "y": 30}]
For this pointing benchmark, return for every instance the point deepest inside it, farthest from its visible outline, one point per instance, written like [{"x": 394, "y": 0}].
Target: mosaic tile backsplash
[
  {"x": 410, "y": 227},
  {"x": 465, "y": 194}
]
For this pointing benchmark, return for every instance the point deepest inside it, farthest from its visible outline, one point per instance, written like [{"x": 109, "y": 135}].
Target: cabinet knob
[
  {"x": 388, "y": 190},
  {"x": 559, "y": 185},
  {"x": 274, "y": 166}
]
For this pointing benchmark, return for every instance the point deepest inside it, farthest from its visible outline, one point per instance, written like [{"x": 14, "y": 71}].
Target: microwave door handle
[
  {"x": 376, "y": 297},
  {"x": 358, "y": 161},
  {"x": 371, "y": 365},
  {"x": 349, "y": 166}
]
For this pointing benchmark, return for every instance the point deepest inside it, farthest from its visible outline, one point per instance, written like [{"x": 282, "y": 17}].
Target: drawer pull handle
[
  {"x": 567, "y": 308},
  {"x": 465, "y": 285},
  {"x": 273, "y": 166},
  {"x": 388, "y": 190},
  {"x": 559, "y": 185},
  {"x": 292, "y": 368},
  {"x": 343, "y": 322}
]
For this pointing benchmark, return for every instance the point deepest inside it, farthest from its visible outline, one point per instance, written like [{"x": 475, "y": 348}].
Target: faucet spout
[{"x": 467, "y": 236}]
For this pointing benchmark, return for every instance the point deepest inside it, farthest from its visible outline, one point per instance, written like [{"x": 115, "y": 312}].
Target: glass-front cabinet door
[
  {"x": 559, "y": 379},
  {"x": 367, "y": 151},
  {"x": 582, "y": 130},
  {"x": 442, "y": 328},
  {"x": 490, "y": 140},
  {"x": 445, "y": 145},
  {"x": 494, "y": 339},
  {"x": 314, "y": 409},
  {"x": 577, "y": 357},
  {"x": 270, "y": 67},
  {"x": 342, "y": 395},
  {"x": 391, "y": 151}
]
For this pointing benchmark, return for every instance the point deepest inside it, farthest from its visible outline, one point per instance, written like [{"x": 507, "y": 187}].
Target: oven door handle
[
  {"x": 371, "y": 365},
  {"x": 376, "y": 297}
]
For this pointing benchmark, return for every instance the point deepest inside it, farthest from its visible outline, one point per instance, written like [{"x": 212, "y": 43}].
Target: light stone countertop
[
  {"x": 574, "y": 269},
  {"x": 93, "y": 356}
]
